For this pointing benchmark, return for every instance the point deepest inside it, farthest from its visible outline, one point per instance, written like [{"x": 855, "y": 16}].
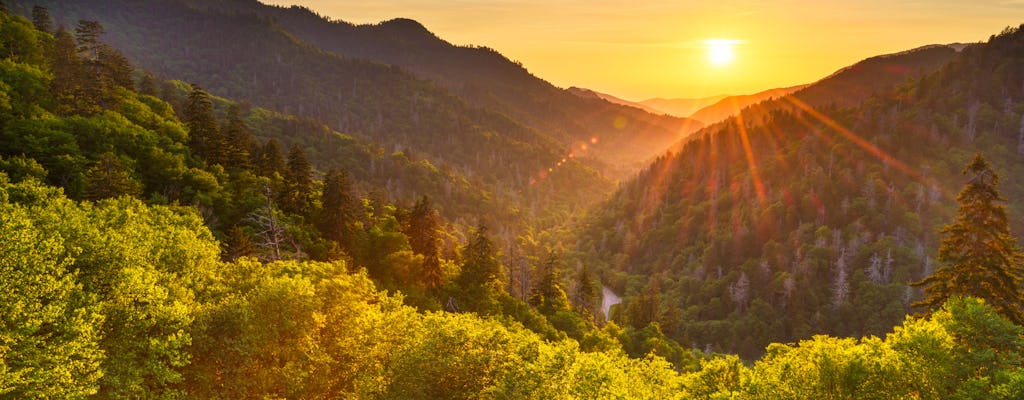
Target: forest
[{"x": 160, "y": 240}]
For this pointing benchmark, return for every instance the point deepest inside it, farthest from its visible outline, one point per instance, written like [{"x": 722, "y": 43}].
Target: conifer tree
[
  {"x": 298, "y": 185},
  {"x": 114, "y": 67},
  {"x": 96, "y": 82},
  {"x": 110, "y": 178},
  {"x": 271, "y": 159},
  {"x": 147, "y": 85},
  {"x": 479, "y": 279},
  {"x": 204, "y": 137},
  {"x": 337, "y": 221},
  {"x": 88, "y": 35},
  {"x": 238, "y": 139},
  {"x": 41, "y": 19},
  {"x": 979, "y": 256},
  {"x": 422, "y": 228},
  {"x": 548, "y": 295},
  {"x": 585, "y": 294},
  {"x": 66, "y": 85}
]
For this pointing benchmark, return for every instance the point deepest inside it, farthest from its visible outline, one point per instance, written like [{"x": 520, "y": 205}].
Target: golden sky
[{"x": 639, "y": 49}]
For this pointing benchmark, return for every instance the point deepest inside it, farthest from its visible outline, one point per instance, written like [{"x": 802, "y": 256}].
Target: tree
[
  {"x": 88, "y": 34},
  {"x": 48, "y": 338},
  {"x": 271, "y": 159},
  {"x": 204, "y": 137},
  {"x": 94, "y": 54},
  {"x": 480, "y": 271},
  {"x": 110, "y": 178},
  {"x": 585, "y": 294},
  {"x": 422, "y": 227},
  {"x": 548, "y": 295},
  {"x": 337, "y": 220},
  {"x": 66, "y": 85},
  {"x": 147, "y": 85},
  {"x": 41, "y": 19},
  {"x": 298, "y": 185},
  {"x": 979, "y": 257},
  {"x": 238, "y": 139},
  {"x": 114, "y": 67}
]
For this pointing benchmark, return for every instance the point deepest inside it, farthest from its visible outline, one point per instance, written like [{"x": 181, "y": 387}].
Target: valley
[{"x": 230, "y": 199}]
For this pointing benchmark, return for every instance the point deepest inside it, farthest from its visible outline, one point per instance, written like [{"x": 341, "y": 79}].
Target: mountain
[
  {"x": 813, "y": 217},
  {"x": 246, "y": 56},
  {"x": 731, "y": 105},
  {"x": 681, "y": 107},
  {"x": 587, "y": 93},
  {"x": 484, "y": 78}
]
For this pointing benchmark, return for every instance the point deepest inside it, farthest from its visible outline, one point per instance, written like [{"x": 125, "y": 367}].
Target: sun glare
[{"x": 720, "y": 51}]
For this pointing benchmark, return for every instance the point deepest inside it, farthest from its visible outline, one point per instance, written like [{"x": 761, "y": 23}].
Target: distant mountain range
[{"x": 731, "y": 105}]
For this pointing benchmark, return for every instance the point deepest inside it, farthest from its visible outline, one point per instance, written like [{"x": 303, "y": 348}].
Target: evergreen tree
[
  {"x": 204, "y": 137},
  {"x": 337, "y": 221},
  {"x": 298, "y": 185},
  {"x": 88, "y": 35},
  {"x": 66, "y": 85},
  {"x": 479, "y": 279},
  {"x": 585, "y": 294},
  {"x": 271, "y": 159},
  {"x": 548, "y": 295},
  {"x": 97, "y": 81},
  {"x": 979, "y": 256},
  {"x": 239, "y": 244},
  {"x": 422, "y": 228},
  {"x": 147, "y": 85},
  {"x": 41, "y": 19},
  {"x": 238, "y": 139},
  {"x": 110, "y": 178},
  {"x": 114, "y": 67}
]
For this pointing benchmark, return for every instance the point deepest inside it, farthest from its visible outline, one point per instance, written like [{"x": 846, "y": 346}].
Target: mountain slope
[
  {"x": 587, "y": 93},
  {"x": 813, "y": 219},
  {"x": 731, "y": 105},
  {"x": 483, "y": 77},
  {"x": 681, "y": 107},
  {"x": 247, "y": 57}
]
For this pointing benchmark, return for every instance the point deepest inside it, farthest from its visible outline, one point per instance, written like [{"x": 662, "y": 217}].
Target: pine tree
[
  {"x": 422, "y": 228},
  {"x": 585, "y": 294},
  {"x": 271, "y": 159},
  {"x": 97, "y": 82},
  {"x": 979, "y": 257},
  {"x": 88, "y": 34},
  {"x": 110, "y": 178},
  {"x": 337, "y": 221},
  {"x": 41, "y": 19},
  {"x": 238, "y": 139},
  {"x": 298, "y": 185},
  {"x": 239, "y": 244},
  {"x": 114, "y": 67},
  {"x": 548, "y": 295},
  {"x": 479, "y": 279},
  {"x": 204, "y": 137},
  {"x": 147, "y": 85},
  {"x": 66, "y": 85}
]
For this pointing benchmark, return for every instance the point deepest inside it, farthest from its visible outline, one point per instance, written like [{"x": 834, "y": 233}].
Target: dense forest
[
  {"x": 160, "y": 241},
  {"x": 787, "y": 222}
]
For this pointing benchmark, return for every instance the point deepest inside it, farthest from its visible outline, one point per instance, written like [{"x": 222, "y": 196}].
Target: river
[{"x": 608, "y": 299}]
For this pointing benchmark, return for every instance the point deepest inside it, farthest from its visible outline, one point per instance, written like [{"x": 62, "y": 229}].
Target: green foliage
[
  {"x": 49, "y": 340},
  {"x": 979, "y": 256}
]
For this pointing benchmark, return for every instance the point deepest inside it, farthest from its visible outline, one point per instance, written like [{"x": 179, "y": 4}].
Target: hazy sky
[{"x": 639, "y": 49}]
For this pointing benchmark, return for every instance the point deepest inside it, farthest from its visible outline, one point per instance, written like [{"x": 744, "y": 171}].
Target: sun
[{"x": 720, "y": 51}]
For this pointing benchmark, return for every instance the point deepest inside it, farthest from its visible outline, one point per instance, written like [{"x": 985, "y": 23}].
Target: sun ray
[{"x": 751, "y": 162}]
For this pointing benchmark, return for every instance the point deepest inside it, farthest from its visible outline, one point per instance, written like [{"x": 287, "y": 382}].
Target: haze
[{"x": 639, "y": 50}]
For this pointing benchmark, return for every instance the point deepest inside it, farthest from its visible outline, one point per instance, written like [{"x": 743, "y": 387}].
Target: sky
[{"x": 638, "y": 49}]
